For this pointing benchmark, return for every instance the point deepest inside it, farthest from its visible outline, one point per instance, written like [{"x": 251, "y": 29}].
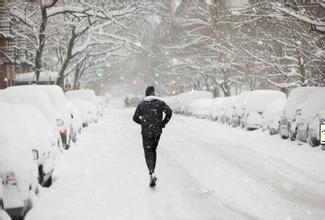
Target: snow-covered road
[{"x": 205, "y": 171}]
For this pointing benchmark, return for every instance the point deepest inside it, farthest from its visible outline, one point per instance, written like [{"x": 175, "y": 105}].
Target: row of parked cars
[
  {"x": 300, "y": 116},
  {"x": 38, "y": 122}
]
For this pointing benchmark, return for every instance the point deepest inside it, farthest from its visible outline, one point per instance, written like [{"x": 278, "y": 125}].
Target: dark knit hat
[{"x": 150, "y": 91}]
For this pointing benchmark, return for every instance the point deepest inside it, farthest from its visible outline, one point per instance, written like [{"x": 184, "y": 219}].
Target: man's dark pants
[{"x": 150, "y": 143}]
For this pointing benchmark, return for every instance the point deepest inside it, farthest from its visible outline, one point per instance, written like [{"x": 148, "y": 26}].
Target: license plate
[{"x": 322, "y": 134}]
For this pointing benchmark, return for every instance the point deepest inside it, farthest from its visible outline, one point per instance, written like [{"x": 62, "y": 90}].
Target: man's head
[{"x": 150, "y": 91}]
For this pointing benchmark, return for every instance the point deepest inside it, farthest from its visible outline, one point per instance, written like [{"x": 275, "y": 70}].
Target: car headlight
[{"x": 59, "y": 122}]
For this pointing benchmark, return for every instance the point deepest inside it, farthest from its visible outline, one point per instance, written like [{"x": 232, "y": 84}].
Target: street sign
[{"x": 322, "y": 133}]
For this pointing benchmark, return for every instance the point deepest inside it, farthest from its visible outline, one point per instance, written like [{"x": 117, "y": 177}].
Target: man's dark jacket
[{"x": 149, "y": 114}]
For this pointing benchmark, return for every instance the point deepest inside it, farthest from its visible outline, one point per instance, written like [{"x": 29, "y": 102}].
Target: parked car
[
  {"x": 85, "y": 95},
  {"x": 296, "y": 97},
  {"x": 272, "y": 114},
  {"x": 61, "y": 104},
  {"x": 316, "y": 136},
  {"x": 87, "y": 111},
  {"x": 34, "y": 138},
  {"x": 256, "y": 106},
  {"x": 200, "y": 108},
  {"x": 35, "y": 96},
  {"x": 309, "y": 117}
]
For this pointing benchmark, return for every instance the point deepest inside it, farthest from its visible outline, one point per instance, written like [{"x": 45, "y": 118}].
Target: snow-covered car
[
  {"x": 200, "y": 108},
  {"x": 85, "y": 95},
  {"x": 296, "y": 97},
  {"x": 33, "y": 134},
  {"x": 214, "y": 112},
  {"x": 87, "y": 111},
  {"x": 271, "y": 116},
  {"x": 181, "y": 102},
  {"x": 256, "y": 106},
  {"x": 314, "y": 131},
  {"x": 308, "y": 118},
  {"x": 35, "y": 96},
  {"x": 61, "y": 104}
]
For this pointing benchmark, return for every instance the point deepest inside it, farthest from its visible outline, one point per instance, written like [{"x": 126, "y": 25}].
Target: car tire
[
  {"x": 284, "y": 136},
  {"x": 323, "y": 147},
  {"x": 312, "y": 141}
]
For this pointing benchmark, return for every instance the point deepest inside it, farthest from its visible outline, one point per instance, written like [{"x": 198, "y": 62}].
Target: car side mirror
[
  {"x": 298, "y": 112},
  {"x": 35, "y": 154}
]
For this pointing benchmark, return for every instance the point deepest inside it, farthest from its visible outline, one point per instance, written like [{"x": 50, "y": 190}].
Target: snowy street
[{"x": 205, "y": 170}]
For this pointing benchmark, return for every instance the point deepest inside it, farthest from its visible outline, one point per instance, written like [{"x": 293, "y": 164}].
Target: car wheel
[
  {"x": 323, "y": 147},
  {"x": 312, "y": 141},
  {"x": 284, "y": 136},
  {"x": 293, "y": 135}
]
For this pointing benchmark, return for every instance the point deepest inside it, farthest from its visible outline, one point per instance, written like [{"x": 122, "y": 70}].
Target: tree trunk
[{"x": 41, "y": 39}]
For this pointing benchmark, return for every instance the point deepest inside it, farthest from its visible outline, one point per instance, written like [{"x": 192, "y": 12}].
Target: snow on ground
[{"x": 205, "y": 171}]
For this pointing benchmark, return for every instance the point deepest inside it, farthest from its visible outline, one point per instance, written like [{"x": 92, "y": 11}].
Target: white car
[
  {"x": 61, "y": 104},
  {"x": 257, "y": 104},
  {"x": 37, "y": 97},
  {"x": 296, "y": 97},
  {"x": 85, "y": 95},
  {"x": 271, "y": 116},
  {"x": 181, "y": 102},
  {"x": 87, "y": 110},
  {"x": 33, "y": 134},
  {"x": 308, "y": 118},
  {"x": 200, "y": 108}
]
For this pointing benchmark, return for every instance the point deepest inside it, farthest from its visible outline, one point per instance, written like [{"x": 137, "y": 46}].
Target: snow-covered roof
[{"x": 45, "y": 76}]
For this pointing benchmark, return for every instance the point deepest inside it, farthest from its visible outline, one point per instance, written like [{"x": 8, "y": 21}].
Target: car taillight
[
  {"x": 63, "y": 133},
  {"x": 11, "y": 180}
]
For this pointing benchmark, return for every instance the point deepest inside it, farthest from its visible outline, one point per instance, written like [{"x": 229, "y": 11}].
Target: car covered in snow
[
  {"x": 309, "y": 116},
  {"x": 85, "y": 95},
  {"x": 35, "y": 96},
  {"x": 271, "y": 116},
  {"x": 87, "y": 111},
  {"x": 256, "y": 105},
  {"x": 61, "y": 104},
  {"x": 200, "y": 108},
  {"x": 27, "y": 155},
  {"x": 287, "y": 121},
  {"x": 181, "y": 102}
]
